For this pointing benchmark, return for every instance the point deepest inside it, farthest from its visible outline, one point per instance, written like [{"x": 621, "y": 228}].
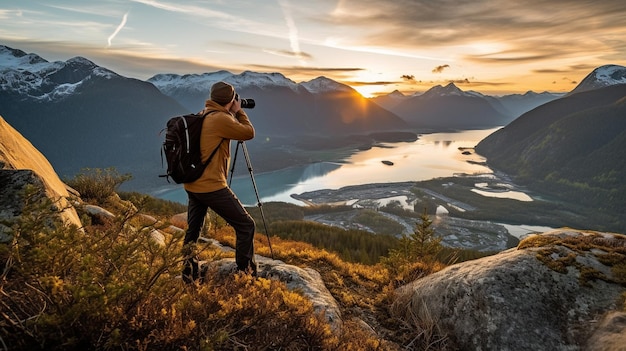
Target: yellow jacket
[{"x": 219, "y": 127}]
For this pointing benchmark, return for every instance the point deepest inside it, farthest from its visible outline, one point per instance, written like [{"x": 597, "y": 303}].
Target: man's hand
[{"x": 236, "y": 106}]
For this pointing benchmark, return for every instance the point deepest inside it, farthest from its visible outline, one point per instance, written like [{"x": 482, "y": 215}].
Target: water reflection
[
  {"x": 521, "y": 231},
  {"x": 431, "y": 156},
  {"x": 279, "y": 185},
  {"x": 501, "y": 191},
  {"x": 445, "y": 143}
]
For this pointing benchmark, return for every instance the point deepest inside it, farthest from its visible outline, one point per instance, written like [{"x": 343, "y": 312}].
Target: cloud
[
  {"x": 141, "y": 62},
  {"x": 166, "y": 7},
  {"x": 408, "y": 77},
  {"x": 362, "y": 83},
  {"x": 118, "y": 29},
  {"x": 6, "y": 14},
  {"x": 530, "y": 29},
  {"x": 218, "y": 19},
  {"x": 298, "y": 55},
  {"x": 307, "y": 69},
  {"x": 569, "y": 80},
  {"x": 303, "y": 72},
  {"x": 474, "y": 83},
  {"x": 461, "y": 81},
  {"x": 567, "y": 69},
  {"x": 440, "y": 68}
]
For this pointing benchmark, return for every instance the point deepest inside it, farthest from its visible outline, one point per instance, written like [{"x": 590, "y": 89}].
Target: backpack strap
[
  {"x": 216, "y": 148},
  {"x": 213, "y": 153}
]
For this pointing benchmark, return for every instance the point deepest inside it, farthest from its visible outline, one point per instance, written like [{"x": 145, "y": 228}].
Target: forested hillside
[{"x": 572, "y": 149}]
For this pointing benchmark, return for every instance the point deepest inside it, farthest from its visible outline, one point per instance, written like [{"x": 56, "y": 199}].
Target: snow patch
[
  {"x": 610, "y": 75},
  {"x": 60, "y": 92},
  {"x": 448, "y": 90},
  {"x": 321, "y": 85},
  {"x": 203, "y": 82}
]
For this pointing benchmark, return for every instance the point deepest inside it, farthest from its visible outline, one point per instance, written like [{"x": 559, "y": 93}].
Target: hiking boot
[{"x": 191, "y": 270}]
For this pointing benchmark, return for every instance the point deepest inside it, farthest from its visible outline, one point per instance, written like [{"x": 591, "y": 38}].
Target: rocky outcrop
[
  {"x": 21, "y": 164},
  {"x": 12, "y": 197},
  {"x": 306, "y": 280},
  {"x": 547, "y": 294}
]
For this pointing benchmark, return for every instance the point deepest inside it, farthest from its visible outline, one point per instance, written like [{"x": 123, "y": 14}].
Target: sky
[{"x": 491, "y": 46}]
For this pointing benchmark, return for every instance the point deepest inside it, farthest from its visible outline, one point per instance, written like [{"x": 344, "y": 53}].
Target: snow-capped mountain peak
[
  {"x": 610, "y": 75},
  {"x": 14, "y": 58},
  {"x": 79, "y": 60},
  {"x": 448, "y": 90},
  {"x": 31, "y": 75},
  {"x": 322, "y": 84},
  {"x": 601, "y": 77},
  {"x": 168, "y": 83}
]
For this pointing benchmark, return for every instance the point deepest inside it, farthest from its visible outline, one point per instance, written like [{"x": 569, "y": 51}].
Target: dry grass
[
  {"x": 422, "y": 322},
  {"x": 110, "y": 287}
]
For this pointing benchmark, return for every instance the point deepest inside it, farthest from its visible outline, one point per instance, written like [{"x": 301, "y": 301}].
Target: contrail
[
  {"x": 293, "y": 30},
  {"x": 118, "y": 29}
]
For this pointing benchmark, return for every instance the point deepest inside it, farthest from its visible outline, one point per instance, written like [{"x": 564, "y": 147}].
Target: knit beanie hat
[{"x": 222, "y": 93}]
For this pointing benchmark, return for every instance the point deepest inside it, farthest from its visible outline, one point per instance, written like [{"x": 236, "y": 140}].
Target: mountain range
[
  {"x": 449, "y": 107},
  {"x": 283, "y": 107},
  {"x": 82, "y": 115}
]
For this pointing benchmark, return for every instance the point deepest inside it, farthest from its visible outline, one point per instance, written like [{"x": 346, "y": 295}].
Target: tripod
[{"x": 256, "y": 192}]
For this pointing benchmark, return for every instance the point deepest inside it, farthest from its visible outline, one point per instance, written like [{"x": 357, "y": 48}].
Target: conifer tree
[{"x": 423, "y": 245}]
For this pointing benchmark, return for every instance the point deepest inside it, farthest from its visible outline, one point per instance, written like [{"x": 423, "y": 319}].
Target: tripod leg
[
  {"x": 232, "y": 168},
  {"x": 256, "y": 192}
]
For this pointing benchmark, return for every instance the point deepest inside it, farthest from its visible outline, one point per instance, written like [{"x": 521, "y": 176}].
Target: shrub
[
  {"x": 97, "y": 184},
  {"x": 111, "y": 287},
  {"x": 152, "y": 205}
]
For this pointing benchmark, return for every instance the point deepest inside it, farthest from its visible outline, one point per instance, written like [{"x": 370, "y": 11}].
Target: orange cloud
[{"x": 440, "y": 69}]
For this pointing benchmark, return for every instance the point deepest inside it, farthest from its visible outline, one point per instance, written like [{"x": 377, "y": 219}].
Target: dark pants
[{"x": 226, "y": 205}]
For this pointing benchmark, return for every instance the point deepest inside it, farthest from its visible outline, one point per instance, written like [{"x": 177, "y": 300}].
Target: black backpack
[{"x": 182, "y": 148}]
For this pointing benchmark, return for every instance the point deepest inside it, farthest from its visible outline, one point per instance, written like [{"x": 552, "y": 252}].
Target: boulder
[
  {"x": 547, "y": 294},
  {"x": 22, "y": 164},
  {"x": 102, "y": 216},
  {"x": 179, "y": 220},
  {"x": 12, "y": 199},
  {"x": 98, "y": 214},
  {"x": 306, "y": 280}
]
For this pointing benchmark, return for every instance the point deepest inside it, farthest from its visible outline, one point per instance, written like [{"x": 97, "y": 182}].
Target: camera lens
[{"x": 247, "y": 103}]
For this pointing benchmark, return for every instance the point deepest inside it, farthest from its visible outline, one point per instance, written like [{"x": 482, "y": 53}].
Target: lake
[{"x": 431, "y": 156}]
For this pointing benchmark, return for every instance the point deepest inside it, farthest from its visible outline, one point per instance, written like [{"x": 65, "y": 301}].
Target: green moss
[
  {"x": 558, "y": 263},
  {"x": 588, "y": 274},
  {"x": 538, "y": 241},
  {"x": 610, "y": 251},
  {"x": 619, "y": 272},
  {"x": 611, "y": 258}
]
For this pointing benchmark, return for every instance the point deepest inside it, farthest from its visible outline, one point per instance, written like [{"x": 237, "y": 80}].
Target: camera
[{"x": 245, "y": 103}]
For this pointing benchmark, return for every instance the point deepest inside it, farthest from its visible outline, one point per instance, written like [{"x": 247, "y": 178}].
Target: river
[{"x": 430, "y": 156}]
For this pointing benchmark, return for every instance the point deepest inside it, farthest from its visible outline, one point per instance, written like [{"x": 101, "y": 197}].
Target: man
[{"x": 225, "y": 120}]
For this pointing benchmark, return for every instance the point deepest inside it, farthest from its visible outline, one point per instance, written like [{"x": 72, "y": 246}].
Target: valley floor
[{"x": 463, "y": 217}]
